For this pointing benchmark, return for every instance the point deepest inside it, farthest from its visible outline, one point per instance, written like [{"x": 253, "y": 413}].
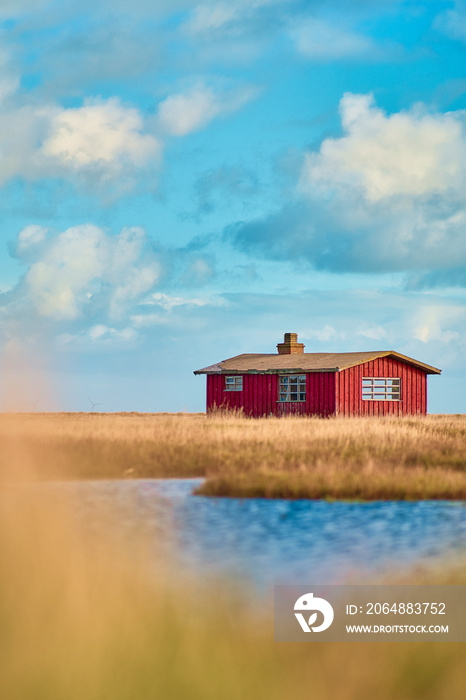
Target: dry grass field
[
  {"x": 358, "y": 458},
  {"x": 85, "y": 617}
]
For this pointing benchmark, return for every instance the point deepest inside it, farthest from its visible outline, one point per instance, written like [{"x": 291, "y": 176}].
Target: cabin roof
[{"x": 305, "y": 362}]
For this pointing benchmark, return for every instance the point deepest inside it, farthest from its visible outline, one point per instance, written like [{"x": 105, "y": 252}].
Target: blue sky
[{"x": 181, "y": 182}]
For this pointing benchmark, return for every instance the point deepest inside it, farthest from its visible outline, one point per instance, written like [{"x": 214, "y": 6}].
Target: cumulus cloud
[
  {"x": 388, "y": 195},
  {"x": 183, "y": 113},
  {"x": 103, "y": 144},
  {"x": 85, "y": 271},
  {"x": 100, "y": 142},
  {"x": 87, "y": 289},
  {"x": 101, "y": 133},
  {"x": 410, "y": 153}
]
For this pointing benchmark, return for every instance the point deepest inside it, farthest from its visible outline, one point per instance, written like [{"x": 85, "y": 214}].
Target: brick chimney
[{"x": 290, "y": 345}]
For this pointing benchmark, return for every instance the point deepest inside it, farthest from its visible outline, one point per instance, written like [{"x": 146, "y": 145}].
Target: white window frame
[
  {"x": 381, "y": 388},
  {"x": 289, "y": 382},
  {"x": 234, "y": 383}
]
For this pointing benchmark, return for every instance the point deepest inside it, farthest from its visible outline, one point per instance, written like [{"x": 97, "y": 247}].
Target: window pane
[
  {"x": 292, "y": 387},
  {"x": 233, "y": 383},
  {"x": 381, "y": 388}
]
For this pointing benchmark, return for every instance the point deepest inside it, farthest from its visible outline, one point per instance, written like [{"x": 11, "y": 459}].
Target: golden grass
[
  {"x": 358, "y": 458},
  {"x": 82, "y": 617},
  {"x": 98, "y": 618}
]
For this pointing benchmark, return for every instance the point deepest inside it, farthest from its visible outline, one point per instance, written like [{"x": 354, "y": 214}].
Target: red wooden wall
[
  {"x": 327, "y": 393},
  {"x": 349, "y": 389},
  {"x": 258, "y": 398},
  {"x": 260, "y": 395},
  {"x": 320, "y": 393}
]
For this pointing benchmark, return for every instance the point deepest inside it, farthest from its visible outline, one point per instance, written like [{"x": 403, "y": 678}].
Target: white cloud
[
  {"x": 102, "y": 141},
  {"x": 407, "y": 154},
  {"x": 99, "y": 290},
  {"x": 181, "y": 114},
  {"x": 101, "y": 133},
  {"x": 84, "y": 269},
  {"x": 316, "y": 39},
  {"x": 389, "y": 195}
]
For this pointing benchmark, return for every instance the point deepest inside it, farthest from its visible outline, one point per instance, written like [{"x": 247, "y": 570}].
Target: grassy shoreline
[
  {"x": 99, "y": 617},
  {"x": 102, "y": 618},
  {"x": 359, "y": 458}
]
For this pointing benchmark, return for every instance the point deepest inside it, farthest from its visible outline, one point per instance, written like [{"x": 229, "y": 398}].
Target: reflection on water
[{"x": 274, "y": 541}]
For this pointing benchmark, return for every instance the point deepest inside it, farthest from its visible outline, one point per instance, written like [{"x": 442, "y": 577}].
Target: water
[{"x": 275, "y": 541}]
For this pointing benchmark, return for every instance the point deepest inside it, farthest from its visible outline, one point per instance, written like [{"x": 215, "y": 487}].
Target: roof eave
[
  {"x": 410, "y": 361},
  {"x": 219, "y": 369},
  {"x": 286, "y": 370}
]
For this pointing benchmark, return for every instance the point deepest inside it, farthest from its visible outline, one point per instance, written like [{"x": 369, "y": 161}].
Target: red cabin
[{"x": 319, "y": 384}]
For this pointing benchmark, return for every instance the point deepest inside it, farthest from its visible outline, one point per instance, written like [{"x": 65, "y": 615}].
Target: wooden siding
[
  {"x": 259, "y": 396},
  {"x": 327, "y": 393},
  {"x": 413, "y": 389},
  {"x": 320, "y": 393}
]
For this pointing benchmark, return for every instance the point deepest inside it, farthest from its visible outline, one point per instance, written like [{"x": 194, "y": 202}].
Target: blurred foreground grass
[
  {"x": 88, "y": 618},
  {"x": 362, "y": 458}
]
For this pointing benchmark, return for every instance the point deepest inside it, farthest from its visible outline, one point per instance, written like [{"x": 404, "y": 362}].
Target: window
[
  {"x": 381, "y": 389},
  {"x": 233, "y": 383},
  {"x": 292, "y": 387}
]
